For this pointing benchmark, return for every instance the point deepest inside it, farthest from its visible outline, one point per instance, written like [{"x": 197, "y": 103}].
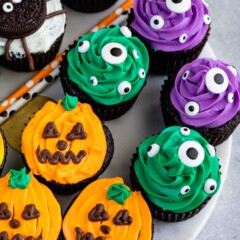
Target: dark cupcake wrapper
[
  {"x": 158, "y": 212},
  {"x": 169, "y": 63},
  {"x": 64, "y": 189},
  {"x": 5, "y": 151},
  {"x": 171, "y": 117},
  {"x": 104, "y": 112}
]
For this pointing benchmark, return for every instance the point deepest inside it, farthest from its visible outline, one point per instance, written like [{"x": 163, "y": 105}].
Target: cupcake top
[
  {"x": 169, "y": 25},
  {"x": 64, "y": 142},
  {"x": 112, "y": 212},
  {"x": 3, "y": 149},
  {"x": 109, "y": 65},
  {"x": 28, "y": 209},
  {"x": 206, "y": 93},
  {"x": 178, "y": 169}
]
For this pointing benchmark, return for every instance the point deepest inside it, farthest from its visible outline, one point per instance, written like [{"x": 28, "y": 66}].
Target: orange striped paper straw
[{"x": 55, "y": 63}]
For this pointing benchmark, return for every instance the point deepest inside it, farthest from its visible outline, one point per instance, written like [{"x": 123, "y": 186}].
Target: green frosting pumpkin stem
[
  {"x": 69, "y": 102},
  {"x": 19, "y": 179},
  {"x": 118, "y": 192}
]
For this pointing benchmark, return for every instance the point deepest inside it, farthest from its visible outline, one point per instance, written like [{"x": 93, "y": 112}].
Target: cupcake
[
  {"x": 174, "y": 32},
  {"x": 205, "y": 97},
  {"x": 177, "y": 172},
  {"x": 3, "y": 150},
  {"x": 28, "y": 209},
  {"x": 106, "y": 69},
  {"x": 112, "y": 212},
  {"x": 30, "y": 33},
  {"x": 66, "y": 146},
  {"x": 89, "y": 6}
]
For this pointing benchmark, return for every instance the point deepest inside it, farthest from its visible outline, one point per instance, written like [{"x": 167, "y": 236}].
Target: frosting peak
[
  {"x": 69, "y": 102},
  {"x": 118, "y": 192}
]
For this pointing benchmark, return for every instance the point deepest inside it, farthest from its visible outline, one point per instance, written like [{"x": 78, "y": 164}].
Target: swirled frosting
[
  {"x": 206, "y": 93},
  {"x": 177, "y": 169},
  {"x": 109, "y": 65},
  {"x": 169, "y": 26}
]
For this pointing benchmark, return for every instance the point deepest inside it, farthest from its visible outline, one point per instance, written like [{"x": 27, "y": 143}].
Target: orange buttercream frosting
[
  {"x": 90, "y": 147},
  {"x": 45, "y": 218},
  {"x": 139, "y": 226}
]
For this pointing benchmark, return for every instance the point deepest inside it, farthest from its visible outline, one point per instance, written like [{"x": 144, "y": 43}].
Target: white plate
[{"x": 144, "y": 119}]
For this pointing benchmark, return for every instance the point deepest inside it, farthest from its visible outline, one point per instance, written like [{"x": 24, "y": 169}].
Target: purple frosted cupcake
[
  {"x": 174, "y": 31},
  {"x": 205, "y": 97}
]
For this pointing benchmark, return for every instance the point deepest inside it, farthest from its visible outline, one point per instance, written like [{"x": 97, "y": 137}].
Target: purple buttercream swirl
[
  {"x": 191, "y": 85},
  {"x": 193, "y": 23}
]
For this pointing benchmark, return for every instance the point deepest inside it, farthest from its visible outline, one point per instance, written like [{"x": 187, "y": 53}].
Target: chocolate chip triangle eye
[
  {"x": 4, "y": 235},
  {"x": 122, "y": 218},
  {"x": 4, "y": 212},
  {"x": 30, "y": 212},
  {"x": 50, "y": 131},
  {"x": 77, "y": 133},
  {"x": 98, "y": 213}
]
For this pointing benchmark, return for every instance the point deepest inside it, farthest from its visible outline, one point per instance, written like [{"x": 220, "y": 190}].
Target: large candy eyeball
[
  {"x": 191, "y": 153},
  {"x": 7, "y": 7},
  {"x": 184, "y": 190},
  {"x": 210, "y": 186},
  {"x": 153, "y": 150},
  {"x": 124, "y": 88},
  {"x": 156, "y": 22},
  {"x": 185, "y": 131},
  {"x": 216, "y": 80},
  {"x": 83, "y": 46},
  {"x": 191, "y": 108},
  {"x": 178, "y": 6},
  {"x": 114, "y": 53}
]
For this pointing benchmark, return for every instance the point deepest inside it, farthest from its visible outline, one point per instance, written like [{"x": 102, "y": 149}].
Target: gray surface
[{"x": 224, "y": 223}]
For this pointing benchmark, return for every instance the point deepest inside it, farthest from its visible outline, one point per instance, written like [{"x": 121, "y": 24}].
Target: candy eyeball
[
  {"x": 191, "y": 108},
  {"x": 124, "y": 88},
  {"x": 211, "y": 150},
  {"x": 178, "y": 6},
  {"x": 7, "y": 7},
  {"x": 83, "y": 46},
  {"x": 183, "y": 38},
  {"x": 114, "y": 53},
  {"x": 93, "y": 80},
  {"x": 185, "y": 75},
  {"x": 142, "y": 73},
  {"x": 153, "y": 150},
  {"x": 156, "y": 22},
  {"x": 216, "y": 80},
  {"x": 185, "y": 131},
  {"x": 191, "y": 153},
  {"x": 184, "y": 190},
  {"x": 135, "y": 54},
  {"x": 210, "y": 186},
  {"x": 207, "y": 19}
]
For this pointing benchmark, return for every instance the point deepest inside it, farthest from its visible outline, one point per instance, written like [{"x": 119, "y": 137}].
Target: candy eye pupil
[
  {"x": 218, "y": 78},
  {"x": 212, "y": 188},
  {"x": 126, "y": 90},
  {"x": 116, "y": 52},
  {"x": 187, "y": 190},
  {"x": 191, "y": 108},
  {"x": 156, "y": 21},
  {"x": 149, "y": 148},
  {"x": 192, "y": 153},
  {"x": 177, "y": 1}
]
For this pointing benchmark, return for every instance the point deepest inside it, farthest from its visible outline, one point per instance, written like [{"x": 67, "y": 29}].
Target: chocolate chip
[
  {"x": 191, "y": 108},
  {"x": 4, "y": 212},
  {"x": 122, "y": 218},
  {"x": 62, "y": 145},
  {"x": 105, "y": 229},
  {"x": 77, "y": 133},
  {"x": 4, "y": 235},
  {"x": 87, "y": 236},
  {"x": 14, "y": 223},
  {"x": 30, "y": 212},
  {"x": 100, "y": 238},
  {"x": 177, "y": 1},
  {"x": 50, "y": 131},
  {"x": 29, "y": 238},
  {"x": 116, "y": 52},
  {"x": 78, "y": 233},
  {"x": 98, "y": 213},
  {"x": 218, "y": 78},
  {"x": 17, "y": 237},
  {"x": 192, "y": 153}
]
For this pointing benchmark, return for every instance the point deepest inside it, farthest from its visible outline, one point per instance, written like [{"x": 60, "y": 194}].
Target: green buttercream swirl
[
  {"x": 83, "y": 66},
  {"x": 18, "y": 179},
  {"x": 69, "y": 102},
  {"x": 164, "y": 175},
  {"x": 118, "y": 192}
]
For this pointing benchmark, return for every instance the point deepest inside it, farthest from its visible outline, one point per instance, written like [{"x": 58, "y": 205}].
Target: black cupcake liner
[
  {"x": 89, "y": 6},
  {"x": 5, "y": 151},
  {"x": 64, "y": 189},
  {"x": 171, "y": 117}
]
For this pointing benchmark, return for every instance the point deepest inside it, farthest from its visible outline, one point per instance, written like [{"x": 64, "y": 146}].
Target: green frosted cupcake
[
  {"x": 106, "y": 69},
  {"x": 177, "y": 171}
]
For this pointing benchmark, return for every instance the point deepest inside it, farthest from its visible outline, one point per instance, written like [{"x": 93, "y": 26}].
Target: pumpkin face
[
  {"x": 66, "y": 146},
  {"x": 28, "y": 209},
  {"x": 112, "y": 212}
]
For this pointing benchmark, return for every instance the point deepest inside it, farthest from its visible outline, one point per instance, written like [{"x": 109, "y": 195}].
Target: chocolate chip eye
[
  {"x": 210, "y": 186},
  {"x": 216, "y": 80},
  {"x": 178, "y": 6},
  {"x": 191, "y": 108},
  {"x": 156, "y": 22},
  {"x": 153, "y": 150},
  {"x": 83, "y": 46},
  {"x": 207, "y": 19},
  {"x": 184, "y": 190},
  {"x": 185, "y": 75},
  {"x": 185, "y": 131},
  {"x": 114, "y": 53},
  {"x": 30, "y": 212},
  {"x": 191, "y": 153},
  {"x": 142, "y": 73},
  {"x": 7, "y": 7},
  {"x": 93, "y": 81},
  {"x": 124, "y": 88}
]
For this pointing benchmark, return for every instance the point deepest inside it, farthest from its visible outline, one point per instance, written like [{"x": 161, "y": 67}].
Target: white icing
[
  {"x": 17, "y": 1},
  {"x": 185, "y": 75},
  {"x": 4, "y": 103},
  {"x": 181, "y": 7},
  {"x": 184, "y": 190},
  {"x": 84, "y": 46},
  {"x": 154, "y": 150},
  {"x": 230, "y": 97},
  {"x": 211, "y": 150},
  {"x": 210, "y": 183},
  {"x": 7, "y": 7},
  {"x": 207, "y": 19},
  {"x": 124, "y": 88},
  {"x": 184, "y": 158},
  {"x": 44, "y": 37},
  {"x": 195, "y": 110},
  {"x": 157, "y": 22},
  {"x": 29, "y": 83},
  {"x": 183, "y": 38},
  {"x": 94, "y": 81},
  {"x": 185, "y": 131},
  {"x": 142, "y": 73},
  {"x": 233, "y": 70},
  {"x": 126, "y": 31}
]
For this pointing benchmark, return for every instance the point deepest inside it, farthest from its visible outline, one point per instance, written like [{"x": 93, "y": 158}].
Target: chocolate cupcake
[
  {"x": 177, "y": 172},
  {"x": 3, "y": 150},
  {"x": 112, "y": 212},
  {"x": 205, "y": 97},
  {"x": 106, "y": 69},
  {"x": 66, "y": 146},
  {"x": 30, "y": 33},
  {"x": 174, "y": 32}
]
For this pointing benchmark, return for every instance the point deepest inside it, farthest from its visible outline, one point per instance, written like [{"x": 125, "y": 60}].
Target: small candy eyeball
[
  {"x": 211, "y": 150},
  {"x": 16, "y": 1},
  {"x": 183, "y": 38},
  {"x": 216, "y": 80},
  {"x": 83, "y": 46},
  {"x": 185, "y": 75},
  {"x": 7, "y": 7},
  {"x": 230, "y": 97},
  {"x": 93, "y": 81},
  {"x": 114, "y": 53},
  {"x": 207, "y": 19},
  {"x": 233, "y": 70},
  {"x": 153, "y": 150},
  {"x": 126, "y": 31},
  {"x": 179, "y": 6},
  {"x": 135, "y": 54},
  {"x": 124, "y": 88},
  {"x": 156, "y": 22},
  {"x": 191, "y": 153},
  {"x": 184, "y": 190},
  {"x": 142, "y": 73},
  {"x": 210, "y": 186},
  {"x": 185, "y": 131},
  {"x": 191, "y": 108}
]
